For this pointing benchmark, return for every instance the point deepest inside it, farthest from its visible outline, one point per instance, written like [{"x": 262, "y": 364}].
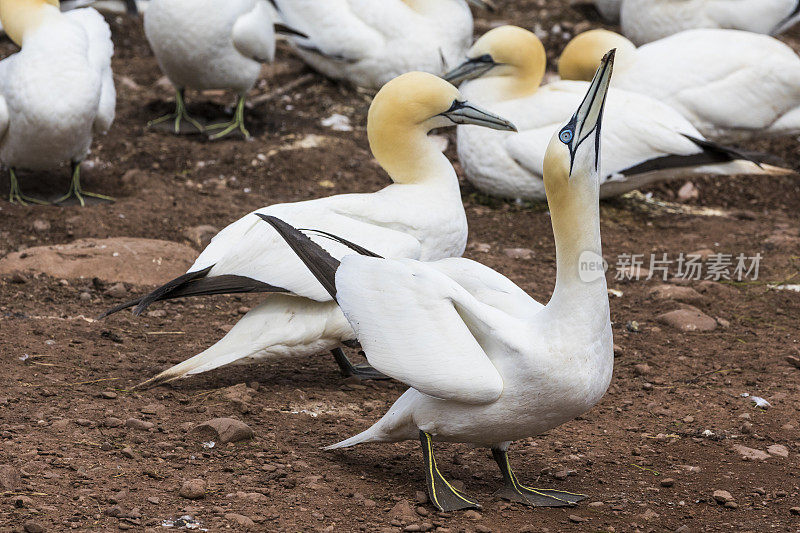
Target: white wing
[
  {"x": 250, "y": 247},
  {"x": 101, "y": 48},
  {"x": 254, "y": 35},
  {"x": 421, "y": 327}
]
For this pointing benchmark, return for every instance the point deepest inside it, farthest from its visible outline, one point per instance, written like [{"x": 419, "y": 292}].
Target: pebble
[
  {"x": 158, "y": 313},
  {"x": 108, "y": 395},
  {"x": 117, "y": 290},
  {"x": 33, "y": 527},
  {"x": 576, "y": 519},
  {"x": 154, "y": 500},
  {"x": 112, "y": 422},
  {"x": 128, "y": 452},
  {"x": 141, "y": 425},
  {"x": 722, "y": 496},
  {"x": 675, "y": 292},
  {"x": 193, "y": 489},
  {"x": 778, "y": 449},
  {"x": 795, "y": 510},
  {"x": 642, "y": 369},
  {"x": 561, "y": 474},
  {"x": 688, "y": 192},
  {"x": 85, "y": 296},
  {"x": 731, "y": 505},
  {"x": 10, "y": 479},
  {"x": 412, "y": 527},
  {"x": 41, "y": 225},
  {"x": 750, "y": 453},
  {"x": 150, "y": 409},
  {"x": 473, "y": 514},
  {"x": 421, "y": 497},
  {"x": 422, "y": 511},
  {"x": 201, "y": 235},
  {"x": 402, "y": 510},
  {"x": 688, "y": 419},
  {"x": 240, "y": 520},
  {"x": 794, "y": 361},
  {"x": 667, "y": 482},
  {"x": 224, "y": 430},
  {"x": 688, "y": 320},
  {"x": 480, "y": 528},
  {"x": 518, "y": 253}
]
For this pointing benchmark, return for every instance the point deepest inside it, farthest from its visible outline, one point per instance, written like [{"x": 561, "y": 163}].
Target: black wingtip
[
  {"x": 283, "y": 29},
  {"x": 120, "y": 307},
  {"x": 318, "y": 261}
]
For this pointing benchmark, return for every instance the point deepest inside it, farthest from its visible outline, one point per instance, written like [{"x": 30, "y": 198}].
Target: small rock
[
  {"x": 688, "y": 320},
  {"x": 128, "y": 452},
  {"x": 154, "y": 500},
  {"x": 676, "y": 293},
  {"x": 617, "y": 350},
  {"x": 642, "y": 369},
  {"x": 518, "y": 253},
  {"x": 117, "y": 290},
  {"x": 412, "y": 528},
  {"x": 240, "y": 520},
  {"x": 795, "y": 510},
  {"x": 688, "y": 192},
  {"x": 41, "y": 225},
  {"x": 649, "y": 514},
  {"x": 794, "y": 361},
  {"x": 151, "y": 409},
  {"x": 561, "y": 474},
  {"x": 667, "y": 482},
  {"x": 157, "y": 313},
  {"x": 141, "y": 425},
  {"x": 688, "y": 419},
  {"x": 480, "y": 528},
  {"x": 746, "y": 428},
  {"x": 108, "y": 395},
  {"x": 750, "y": 453},
  {"x": 473, "y": 515},
  {"x": 201, "y": 235},
  {"x": 224, "y": 430},
  {"x": 576, "y": 519},
  {"x": 85, "y": 296},
  {"x": 725, "y": 324},
  {"x": 779, "y": 450},
  {"x": 112, "y": 422},
  {"x": 193, "y": 489},
  {"x": 722, "y": 496},
  {"x": 33, "y": 527},
  {"x": 731, "y": 505},
  {"x": 422, "y": 511},
  {"x": 402, "y": 510},
  {"x": 421, "y": 497}
]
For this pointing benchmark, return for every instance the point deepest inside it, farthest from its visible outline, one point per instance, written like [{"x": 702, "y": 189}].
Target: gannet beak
[
  {"x": 585, "y": 123},
  {"x": 470, "y": 69},
  {"x": 484, "y": 4},
  {"x": 463, "y": 112},
  {"x": 283, "y": 29}
]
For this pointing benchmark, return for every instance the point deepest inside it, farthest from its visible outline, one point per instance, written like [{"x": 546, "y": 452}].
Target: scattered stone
[
  {"x": 688, "y": 320},
  {"x": 473, "y": 515},
  {"x": 132, "y": 260},
  {"x": 747, "y": 428},
  {"x": 240, "y": 520},
  {"x": 779, "y": 450},
  {"x": 157, "y": 313},
  {"x": 649, "y": 514},
  {"x": 519, "y": 253},
  {"x": 577, "y": 519},
  {"x": 108, "y": 395},
  {"x": 561, "y": 475},
  {"x": 151, "y": 409},
  {"x": 795, "y": 510},
  {"x": 112, "y": 422},
  {"x": 41, "y": 225},
  {"x": 688, "y": 419},
  {"x": 10, "y": 480},
  {"x": 141, "y": 425},
  {"x": 224, "y": 430},
  {"x": 676, "y": 293},
  {"x": 154, "y": 500},
  {"x": 750, "y": 453},
  {"x": 617, "y": 350},
  {"x": 128, "y": 452},
  {"x": 117, "y": 290},
  {"x": 667, "y": 482},
  {"x": 688, "y": 192},
  {"x": 193, "y": 489},
  {"x": 480, "y": 528},
  {"x": 794, "y": 361},
  {"x": 731, "y": 505},
  {"x": 201, "y": 235},
  {"x": 33, "y": 527},
  {"x": 402, "y": 510},
  {"x": 725, "y": 324},
  {"x": 722, "y": 496},
  {"x": 421, "y": 497},
  {"x": 412, "y": 528},
  {"x": 641, "y": 369}
]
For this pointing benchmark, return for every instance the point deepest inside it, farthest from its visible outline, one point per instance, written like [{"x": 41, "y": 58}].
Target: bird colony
[{"x": 562, "y": 238}]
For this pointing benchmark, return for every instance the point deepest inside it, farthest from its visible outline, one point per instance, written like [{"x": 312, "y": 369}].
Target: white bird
[
  {"x": 57, "y": 92},
  {"x": 644, "y": 21},
  {"x": 419, "y": 216},
  {"x": 368, "y": 43},
  {"x": 644, "y": 140},
  {"x": 211, "y": 44},
  {"x": 486, "y": 363},
  {"x": 728, "y": 83}
]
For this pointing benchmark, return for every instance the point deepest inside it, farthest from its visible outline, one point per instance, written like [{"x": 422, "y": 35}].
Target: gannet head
[
  {"x": 573, "y": 156},
  {"x": 410, "y": 106},
  {"x": 583, "y": 54},
  {"x": 508, "y": 53},
  {"x": 19, "y": 16}
]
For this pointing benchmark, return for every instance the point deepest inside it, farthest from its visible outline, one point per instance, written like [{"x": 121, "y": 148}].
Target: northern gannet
[
  {"x": 57, "y": 92},
  {"x": 211, "y": 44},
  {"x": 368, "y": 43},
  {"x": 487, "y": 364},
  {"x": 419, "y": 216},
  {"x": 644, "y": 21},
  {"x": 728, "y": 83},
  {"x": 644, "y": 140}
]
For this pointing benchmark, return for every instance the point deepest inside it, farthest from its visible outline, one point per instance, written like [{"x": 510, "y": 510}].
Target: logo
[{"x": 591, "y": 267}]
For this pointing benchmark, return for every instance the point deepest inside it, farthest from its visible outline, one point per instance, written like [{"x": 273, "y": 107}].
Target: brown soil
[{"x": 80, "y": 471}]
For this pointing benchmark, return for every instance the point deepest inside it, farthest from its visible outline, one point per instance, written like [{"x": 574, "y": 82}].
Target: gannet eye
[{"x": 565, "y": 136}]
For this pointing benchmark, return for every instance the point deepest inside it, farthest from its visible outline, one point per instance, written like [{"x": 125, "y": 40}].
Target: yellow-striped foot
[
  {"x": 516, "y": 492},
  {"x": 15, "y": 195},
  {"x": 76, "y": 190},
  {"x": 237, "y": 124},
  {"x": 348, "y": 369},
  {"x": 179, "y": 122},
  {"x": 442, "y": 494}
]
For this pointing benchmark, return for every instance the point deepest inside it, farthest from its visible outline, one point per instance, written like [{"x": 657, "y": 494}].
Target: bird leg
[
  {"x": 179, "y": 115},
  {"x": 515, "y": 492},
  {"x": 348, "y": 369},
  {"x": 76, "y": 190},
  {"x": 442, "y": 494},
  {"x": 229, "y": 127},
  {"x": 15, "y": 194}
]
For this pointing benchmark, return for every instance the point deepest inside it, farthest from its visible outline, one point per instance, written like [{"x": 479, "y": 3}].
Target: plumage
[
  {"x": 644, "y": 21},
  {"x": 728, "y": 83},
  {"x": 487, "y": 364},
  {"x": 58, "y": 91},
  {"x": 419, "y": 216},
  {"x": 368, "y": 43},
  {"x": 638, "y": 128},
  {"x": 211, "y": 44},
  {"x": 609, "y": 9}
]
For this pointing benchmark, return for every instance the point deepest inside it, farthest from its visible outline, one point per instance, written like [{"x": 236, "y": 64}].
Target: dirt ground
[{"x": 650, "y": 456}]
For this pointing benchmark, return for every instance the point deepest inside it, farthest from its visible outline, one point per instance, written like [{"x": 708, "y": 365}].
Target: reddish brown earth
[{"x": 650, "y": 456}]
